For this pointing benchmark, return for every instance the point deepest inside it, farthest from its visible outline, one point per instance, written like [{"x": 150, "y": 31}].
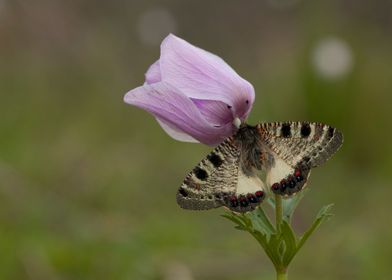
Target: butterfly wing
[
  {"x": 218, "y": 180},
  {"x": 212, "y": 179},
  {"x": 293, "y": 148},
  {"x": 248, "y": 194},
  {"x": 287, "y": 151}
]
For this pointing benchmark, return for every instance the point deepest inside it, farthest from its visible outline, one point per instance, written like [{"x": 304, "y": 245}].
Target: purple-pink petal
[
  {"x": 215, "y": 112},
  {"x": 174, "y": 132},
  {"x": 153, "y": 74},
  {"x": 202, "y": 75},
  {"x": 177, "y": 111}
]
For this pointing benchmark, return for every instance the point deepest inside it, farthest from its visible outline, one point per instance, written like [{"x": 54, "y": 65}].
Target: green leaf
[
  {"x": 325, "y": 212},
  {"x": 269, "y": 250},
  {"x": 261, "y": 222},
  {"x": 290, "y": 204},
  {"x": 290, "y": 240},
  {"x": 323, "y": 215},
  {"x": 271, "y": 202},
  {"x": 273, "y": 246},
  {"x": 280, "y": 245},
  {"x": 281, "y": 248},
  {"x": 237, "y": 219}
]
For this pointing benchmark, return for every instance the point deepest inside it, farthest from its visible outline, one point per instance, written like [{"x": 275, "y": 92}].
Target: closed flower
[{"x": 194, "y": 95}]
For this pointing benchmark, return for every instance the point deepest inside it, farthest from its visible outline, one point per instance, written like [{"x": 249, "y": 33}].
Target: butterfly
[{"x": 284, "y": 151}]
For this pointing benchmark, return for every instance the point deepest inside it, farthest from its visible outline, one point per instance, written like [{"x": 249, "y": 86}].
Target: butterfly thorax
[{"x": 248, "y": 139}]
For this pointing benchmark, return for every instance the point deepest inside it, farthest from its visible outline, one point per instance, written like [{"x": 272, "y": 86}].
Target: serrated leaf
[
  {"x": 230, "y": 217},
  {"x": 261, "y": 222},
  {"x": 246, "y": 221},
  {"x": 290, "y": 204},
  {"x": 241, "y": 224},
  {"x": 323, "y": 215},
  {"x": 240, "y": 228},
  {"x": 325, "y": 211}
]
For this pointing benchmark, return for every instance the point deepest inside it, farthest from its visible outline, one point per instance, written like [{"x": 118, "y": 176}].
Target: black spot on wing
[
  {"x": 215, "y": 159},
  {"x": 183, "y": 192},
  {"x": 201, "y": 174},
  {"x": 286, "y": 130},
  {"x": 305, "y": 130},
  {"x": 331, "y": 132},
  {"x": 306, "y": 160}
]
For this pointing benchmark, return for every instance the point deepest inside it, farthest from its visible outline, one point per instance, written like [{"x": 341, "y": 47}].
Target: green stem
[
  {"x": 281, "y": 275},
  {"x": 278, "y": 211}
]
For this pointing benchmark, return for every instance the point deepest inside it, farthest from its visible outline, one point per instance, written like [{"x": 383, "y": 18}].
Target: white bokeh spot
[{"x": 332, "y": 58}]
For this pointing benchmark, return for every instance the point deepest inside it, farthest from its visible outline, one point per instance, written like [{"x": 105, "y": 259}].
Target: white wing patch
[
  {"x": 248, "y": 184},
  {"x": 278, "y": 171},
  {"x": 284, "y": 179}
]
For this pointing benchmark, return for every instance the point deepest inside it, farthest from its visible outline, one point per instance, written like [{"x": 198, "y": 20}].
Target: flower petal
[
  {"x": 153, "y": 74},
  {"x": 174, "y": 132},
  {"x": 215, "y": 112},
  {"x": 203, "y": 75},
  {"x": 175, "y": 109}
]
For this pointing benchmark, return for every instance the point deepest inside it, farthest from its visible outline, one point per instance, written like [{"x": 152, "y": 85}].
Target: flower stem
[
  {"x": 281, "y": 275},
  {"x": 278, "y": 211}
]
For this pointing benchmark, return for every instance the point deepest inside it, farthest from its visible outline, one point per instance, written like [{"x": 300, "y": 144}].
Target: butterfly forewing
[
  {"x": 214, "y": 178},
  {"x": 295, "y": 142}
]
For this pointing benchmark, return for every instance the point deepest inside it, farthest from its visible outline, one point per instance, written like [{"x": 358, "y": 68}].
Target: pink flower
[{"x": 194, "y": 95}]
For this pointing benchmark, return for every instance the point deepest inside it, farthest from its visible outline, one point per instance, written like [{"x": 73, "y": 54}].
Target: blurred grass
[{"x": 88, "y": 184}]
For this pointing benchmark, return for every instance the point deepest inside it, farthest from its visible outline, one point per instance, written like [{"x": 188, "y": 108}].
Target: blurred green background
[{"x": 88, "y": 183}]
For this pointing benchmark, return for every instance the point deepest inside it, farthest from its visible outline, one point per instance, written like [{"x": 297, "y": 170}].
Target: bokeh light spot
[{"x": 332, "y": 58}]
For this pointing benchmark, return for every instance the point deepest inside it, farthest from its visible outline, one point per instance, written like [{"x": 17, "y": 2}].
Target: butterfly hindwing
[
  {"x": 249, "y": 192},
  {"x": 284, "y": 179}
]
